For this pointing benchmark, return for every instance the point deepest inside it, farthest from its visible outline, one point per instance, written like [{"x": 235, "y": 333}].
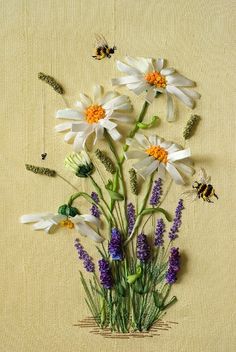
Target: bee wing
[
  {"x": 202, "y": 176},
  {"x": 190, "y": 195},
  {"x": 100, "y": 41}
]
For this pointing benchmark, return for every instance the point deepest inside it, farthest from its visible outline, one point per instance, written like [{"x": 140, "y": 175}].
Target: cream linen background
[{"x": 41, "y": 296}]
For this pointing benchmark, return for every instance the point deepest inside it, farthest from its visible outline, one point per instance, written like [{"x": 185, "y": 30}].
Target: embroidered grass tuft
[
  {"x": 106, "y": 161},
  {"x": 41, "y": 170},
  {"x": 191, "y": 126},
  {"x": 52, "y": 82}
]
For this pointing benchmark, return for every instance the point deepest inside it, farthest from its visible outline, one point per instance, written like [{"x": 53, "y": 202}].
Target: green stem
[
  {"x": 136, "y": 128},
  {"x": 140, "y": 216}
]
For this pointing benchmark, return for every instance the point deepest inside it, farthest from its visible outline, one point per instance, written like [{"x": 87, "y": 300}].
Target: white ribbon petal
[
  {"x": 178, "y": 80},
  {"x": 69, "y": 137},
  {"x": 179, "y": 155},
  {"x": 142, "y": 140},
  {"x": 167, "y": 71},
  {"x": 153, "y": 139},
  {"x": 99, "y": 130},
  {"x": 170, "y": 108},
  {"x": 69, "y": 114},
  {"x": 174, "y": 174},
  {"x": 97, "y": 92},
  {"x": 85, "y": 100},
  {"x": 184, "y": 168},
  {"x": 126, "y": 68},
  {"x": 109, "y": 125},
  {"x": 115, "y": 135},
  {"x": 135, "y": 154},
  {"x": 80, "y": 106},
  {"x": 143, "y": 163},
  {"x": 92, "y": 219},
  {"x": 79, "y": 127},
  {"x": 108, "y": 96},
  {"x": 150, "y": 169},
  {"x": 159, "y": 64},
  {"x": 125, "y": 80},
  {"x": 191, "y": 93},
  {"x": 120, "y": 117},
  {"x": 150, "y": 95},
  {"x": 139, "y": 87},
  {"x": 28, "y": 218},
  {"x": 61, "y": 127},
  {"x": 180, "y": 95},
  {"x": 87, "y": 231},
  {"x": 140, "y": 63},
  {"x": 116, "y": 102}
]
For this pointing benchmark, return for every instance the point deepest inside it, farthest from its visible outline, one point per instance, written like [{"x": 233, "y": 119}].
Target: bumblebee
[
  {"x": 202, "y": 188},
  {"x": 102, "y": 48}
]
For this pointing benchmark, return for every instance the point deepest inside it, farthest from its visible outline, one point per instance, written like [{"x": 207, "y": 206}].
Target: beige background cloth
[{"x": 41, "y": 296}]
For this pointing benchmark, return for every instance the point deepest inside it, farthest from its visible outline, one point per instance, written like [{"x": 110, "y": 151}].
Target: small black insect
[
  {"x": 102, "y": 48},
  {"x": 43, "y": 156}
]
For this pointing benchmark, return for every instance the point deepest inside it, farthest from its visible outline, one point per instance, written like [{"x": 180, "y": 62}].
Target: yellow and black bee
[
  {"x": 102, "y": 48},
  {"x": 202, "y": 188}
]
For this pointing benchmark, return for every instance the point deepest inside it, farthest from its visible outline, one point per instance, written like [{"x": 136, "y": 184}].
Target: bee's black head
[{"x": 111, "y": 50}]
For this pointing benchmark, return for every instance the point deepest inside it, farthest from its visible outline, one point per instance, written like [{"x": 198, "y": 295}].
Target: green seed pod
[
  {"x": 67, "y": 210},
  {"x": 191, "y": 126},
  {"x": 52, "y": 82},
  {"x": 106, "y": 161},
  {"x": 41, "y": 170},
  {"x": 133, "y": 181}
]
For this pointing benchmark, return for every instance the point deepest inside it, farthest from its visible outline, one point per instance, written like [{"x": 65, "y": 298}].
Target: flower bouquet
[{"x": 130, "y": 287}]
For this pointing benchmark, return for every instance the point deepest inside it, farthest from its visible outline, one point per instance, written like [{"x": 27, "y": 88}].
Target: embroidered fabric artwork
[{"x": 129, "y": 286}]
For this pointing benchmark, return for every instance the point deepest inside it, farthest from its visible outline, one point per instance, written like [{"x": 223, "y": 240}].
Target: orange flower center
[
  {"x": 158, "y": 153},
  {"x": 67, "y": 223},
  {"x": 94, "y": 113},
  {"x": 156, "y": 79}
]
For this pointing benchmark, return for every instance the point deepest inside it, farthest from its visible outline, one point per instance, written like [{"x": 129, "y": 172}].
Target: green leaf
[
  {"x": 143, "y": 125},
  {"x": 109, "y": 185},
  {"x": 156, "y": 210},
  {"x": 115, "y": 195},
  {"x": 172, "y": 301},
  {"x": 157, "y": 300}
]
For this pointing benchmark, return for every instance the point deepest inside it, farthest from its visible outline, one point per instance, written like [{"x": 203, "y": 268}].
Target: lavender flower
[
  {"x": 83, "y": 255},
  {"x": 143, "y": 248},
  {"x": 173, "y": 233},
  {"x": 174, "y": 266},
  {"x": 115, "y": 245},
  {"x": 95, "y": 197},
  {"x": 156, "y": 192},
  {"x": 105, "y": 274},
  {"x": 131, "y": 217},
  {"x": 94, "y": 210},
  {"x": 160, "y": 229}
]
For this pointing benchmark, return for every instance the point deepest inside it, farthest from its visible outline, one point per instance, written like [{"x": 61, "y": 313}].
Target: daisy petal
[
  {"x": 69, "y": 114},
  {"x": 142, "y": 140},
  {"x": 63, "y": 127},
  {"x": 85, "y": 100},
  {"x": 140, "y": 63},
  {"x": 121, "y": 118},
  {"x": 126, "y": 68},
  {"x": 135, "y": 154},
  {"x": 143, "y": 163},
  {"x": 28, "y": 218},
  {"x": 184, "y": 168},
  {"x": 150, "y": 95},
  {"x": 114, "y": 134},
  {"x": 178, "y": 80},
  {"x": 179, "y": 94},
  {"x": 68, "y": 138},
  {"x": 116, "y": 102},
  {"x": 139, "y": 87},
  {"x": 79, "y": 127},
  {"x": 99, "y": 133},
  {"x": 108, "y": 96},
  {"x": 125, "y": 80},
  {"x": 191, "y": 93},
  {"x": 97, "y": 92},
  {"x": 181, "y": 154},
  {"x": 159, "y": 64},
  {"x": 109, "y": 125},
  {"x": 167, "y": 71},
  {"x": 174, "y": 173},
  {"x": 150, "y": 169},
  {"x": 170, "y": 108},
  {"x": 87, "y": 231},
  {"x": 92, "y": 219}
]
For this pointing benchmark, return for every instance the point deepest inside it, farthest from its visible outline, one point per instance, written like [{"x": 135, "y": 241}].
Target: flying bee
[
  {"x": 202, "y": 188},
  {"x": 102, "y": 48}
]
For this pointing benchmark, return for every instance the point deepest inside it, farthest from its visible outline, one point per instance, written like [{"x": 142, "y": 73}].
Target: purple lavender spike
[
  {"x": 173, "y": 233},
  {"x": 83, "y": 255},
  {"x": 174, "y": 266}
]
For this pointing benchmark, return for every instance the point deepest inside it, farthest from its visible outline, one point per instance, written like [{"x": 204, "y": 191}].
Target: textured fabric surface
[{"x": 41, "y": 296}]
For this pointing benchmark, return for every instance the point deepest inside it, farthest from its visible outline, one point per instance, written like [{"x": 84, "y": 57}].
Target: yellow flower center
[
  {"x": 94, "y": 113},
  {"x": 156, "y": 79},
  {"x": 67, "y": 223},
  {"x": 158, "y": 153}
]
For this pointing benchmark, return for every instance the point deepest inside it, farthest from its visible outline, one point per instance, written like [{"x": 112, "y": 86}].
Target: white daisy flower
[
  {"x": 94, "y": 116},
  {"x": 149, "y": 75},
  {"x": 156, "y": 153},
  {"x": 49, "y": 222}
]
